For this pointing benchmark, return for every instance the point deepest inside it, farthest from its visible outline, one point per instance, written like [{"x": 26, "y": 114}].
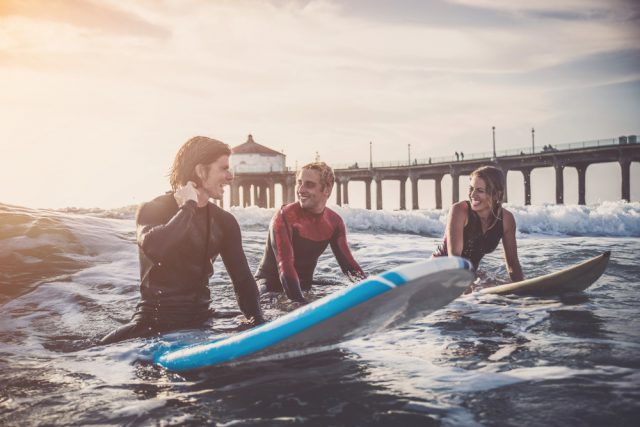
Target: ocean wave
[
  {"x": 615, "y": 219},
  {"x": 38, "y": 245},
  {"x": 126, "y": 212}
]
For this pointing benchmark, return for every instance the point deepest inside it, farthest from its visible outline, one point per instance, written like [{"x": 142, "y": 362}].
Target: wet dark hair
[
  {"x": 494, "y": 180},
  {"x": 197, "y": 150},
  {"x": 327, "y": 177}
]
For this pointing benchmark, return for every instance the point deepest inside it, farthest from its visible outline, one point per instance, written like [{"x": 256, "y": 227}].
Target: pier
[
  {"x": 259, "y": 189},
  {"x": 576, "y": 155}
]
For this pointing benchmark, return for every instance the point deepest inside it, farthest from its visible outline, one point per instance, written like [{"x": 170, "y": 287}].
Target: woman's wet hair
[
  {"x": 494, "y": 180},
  {"x": 327, "y": 177},
  {"x": 197, "y": 150}
]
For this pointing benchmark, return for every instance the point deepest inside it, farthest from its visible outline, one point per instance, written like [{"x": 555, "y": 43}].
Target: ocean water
[{"x": 67, "y": 277}]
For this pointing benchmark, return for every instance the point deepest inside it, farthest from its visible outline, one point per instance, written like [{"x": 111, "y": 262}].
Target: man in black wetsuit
[
  {"x": 300, "y": 232},
  {"x": 179, "y": 236}
]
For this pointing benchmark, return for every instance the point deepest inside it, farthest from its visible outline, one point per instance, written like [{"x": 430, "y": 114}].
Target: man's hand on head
[{"x": 186, "y": 193}]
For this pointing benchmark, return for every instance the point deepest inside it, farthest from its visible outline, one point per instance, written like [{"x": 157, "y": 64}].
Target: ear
[{"x": 200, "y": 171}]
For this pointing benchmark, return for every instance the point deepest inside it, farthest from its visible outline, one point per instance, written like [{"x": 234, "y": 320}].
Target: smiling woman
[{"x": 476, "y": 226}]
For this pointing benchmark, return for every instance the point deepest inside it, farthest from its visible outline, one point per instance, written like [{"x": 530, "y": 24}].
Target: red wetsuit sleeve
[
  {"x": 342, "y": 253},
  {"x": 280, "y": 233}
]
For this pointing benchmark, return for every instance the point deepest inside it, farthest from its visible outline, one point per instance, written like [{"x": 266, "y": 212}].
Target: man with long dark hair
[{"x": 179, "y": 236}]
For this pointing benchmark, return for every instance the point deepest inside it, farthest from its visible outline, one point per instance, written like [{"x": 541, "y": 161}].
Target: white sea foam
[
  {"x": 619, "y": 219},
  {"x": 605, "y": 219}
]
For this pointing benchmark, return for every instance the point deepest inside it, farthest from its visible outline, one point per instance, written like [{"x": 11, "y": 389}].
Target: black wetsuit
[
  {"x": 177, "y": 247},
  {"x": 296, "y": 240},
  {"x": 476, "y": 243}
]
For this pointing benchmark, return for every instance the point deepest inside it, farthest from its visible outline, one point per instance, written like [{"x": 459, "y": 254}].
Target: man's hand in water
[
  {"x": 250, "y": 322},
  {"x": 297, "y": 303},
  {"x": 186, "y": 193}
]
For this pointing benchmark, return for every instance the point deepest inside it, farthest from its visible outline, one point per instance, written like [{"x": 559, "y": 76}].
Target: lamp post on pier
[
  {"x": 533, "y": 139},
  {"x": 493, "y": 130},
  {"x": 409, "y": 153}
]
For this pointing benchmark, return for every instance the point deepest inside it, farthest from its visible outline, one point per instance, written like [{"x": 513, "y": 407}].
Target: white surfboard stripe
[{"x": 385, "y": 281}]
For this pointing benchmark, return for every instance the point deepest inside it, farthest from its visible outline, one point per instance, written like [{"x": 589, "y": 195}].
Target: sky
[{"x": 97, "y": 96}]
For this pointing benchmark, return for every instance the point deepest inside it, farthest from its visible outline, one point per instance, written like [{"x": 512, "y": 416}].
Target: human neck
[
  {"x": 485, "y": 215},
  {"x": 203, "y": 200},
  {"x": 316, "y": 211}
]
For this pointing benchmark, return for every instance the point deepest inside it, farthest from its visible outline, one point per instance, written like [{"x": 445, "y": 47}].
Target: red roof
[{"x": 252, "y": 147}]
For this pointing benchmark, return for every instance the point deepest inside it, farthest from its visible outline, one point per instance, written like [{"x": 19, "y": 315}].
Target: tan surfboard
[{"x": 572, "y": 279}]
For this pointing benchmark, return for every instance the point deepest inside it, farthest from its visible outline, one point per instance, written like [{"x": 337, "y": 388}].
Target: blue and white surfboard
[{"x": 374, "y": 304}]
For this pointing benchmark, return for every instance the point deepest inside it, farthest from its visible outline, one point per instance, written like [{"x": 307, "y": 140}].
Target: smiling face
[
  {"x": 312, "y": 196},
  {"x": 214, "y": 177},
  {"x": 480, "y": 199}
]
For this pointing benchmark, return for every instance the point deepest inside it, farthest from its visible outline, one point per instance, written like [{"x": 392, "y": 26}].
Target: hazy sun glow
[{"x": 97, "y": 96}]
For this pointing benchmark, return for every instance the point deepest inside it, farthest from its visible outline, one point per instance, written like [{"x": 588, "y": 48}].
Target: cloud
[
  {"x": 580, "y": 7},
  {"x": 89, "y": 14},
  {"x": 308, "y": 76}
]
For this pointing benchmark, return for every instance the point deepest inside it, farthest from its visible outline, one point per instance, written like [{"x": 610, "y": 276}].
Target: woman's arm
[
  {"x": 454, "y": 234},
  {"x": 510, "y": 246}
]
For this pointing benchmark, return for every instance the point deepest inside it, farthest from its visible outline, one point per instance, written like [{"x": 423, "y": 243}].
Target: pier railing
[{"x": 488, "y": 154}]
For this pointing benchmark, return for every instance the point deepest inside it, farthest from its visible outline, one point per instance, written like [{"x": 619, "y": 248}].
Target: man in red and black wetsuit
[
  {"x": 300, "y": 232},
  {"x": 179, "y": 235}
]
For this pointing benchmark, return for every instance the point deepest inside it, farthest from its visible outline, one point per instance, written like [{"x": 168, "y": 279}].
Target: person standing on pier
[
  {"x": 300, "y": 232},
  {"x": 476, "y": 226}
]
